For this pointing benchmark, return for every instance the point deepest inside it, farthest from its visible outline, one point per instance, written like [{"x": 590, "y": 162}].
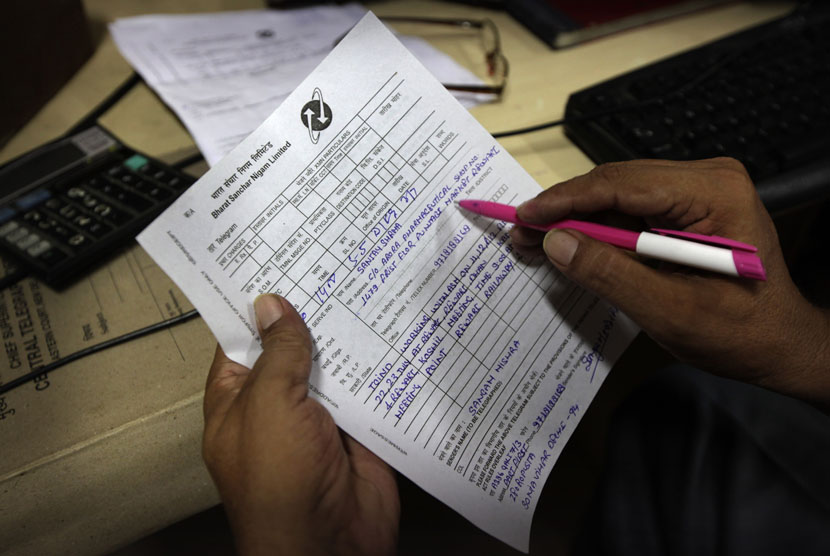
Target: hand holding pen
[
  {"x": 713, "y": 253},
  {"x": 746, "y": 329}
]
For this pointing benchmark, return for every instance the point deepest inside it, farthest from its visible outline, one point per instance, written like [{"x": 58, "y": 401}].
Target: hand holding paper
[
  {"x": 292, "y": 483},
  {"x": 434, "y": 345}
]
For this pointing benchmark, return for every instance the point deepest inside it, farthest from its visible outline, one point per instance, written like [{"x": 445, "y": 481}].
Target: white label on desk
[{"x": 462, "y": 366}]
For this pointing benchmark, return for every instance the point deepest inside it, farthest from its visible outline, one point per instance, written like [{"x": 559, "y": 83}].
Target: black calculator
[{"x": 69, "y": 204}]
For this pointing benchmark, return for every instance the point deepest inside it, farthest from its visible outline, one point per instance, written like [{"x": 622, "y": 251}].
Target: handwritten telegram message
[{"x": 463, "y": 366}]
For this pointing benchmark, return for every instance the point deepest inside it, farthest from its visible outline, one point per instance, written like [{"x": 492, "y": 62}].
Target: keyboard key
[
  {"x": 159, "y": 193},
  {"x": 97, "y": 230},
  {"x": 59, "y": 230},
  {"x": 111, "y": 214},
  {"x": 16, "y": 235},
  {"x": 91, "y": 226},
  {"x": 68, "y": 211},
  {"x": 8, "y": 228},
  {"x": 78, "y": 241},
  {"x": 132, "y": 200},
  {"x": 75, "y": 193},
  {"x": 136, "y": 162},
  {"x": 142, "y": 186},
  {"x": 82, "y": 220},
  {"x": 103, "y": 210},
  {"x": 161, "y": 175},
  {"x": 37, "y": 250},
  {"x": 104, "y": 186},
  {"x": 27, "y": 241},
  {"x": 126, "y": 177},
  {"x": 33, "y": 217}
]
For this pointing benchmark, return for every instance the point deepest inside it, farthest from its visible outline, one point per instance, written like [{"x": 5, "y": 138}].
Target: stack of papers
[{"x": 224, "y": 73}]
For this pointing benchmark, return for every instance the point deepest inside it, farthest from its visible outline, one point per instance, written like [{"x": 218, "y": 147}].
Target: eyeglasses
[{"x": 496, "y": 63}]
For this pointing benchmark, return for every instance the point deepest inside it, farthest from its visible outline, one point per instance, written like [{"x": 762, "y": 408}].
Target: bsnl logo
[{"x": 315, "y": 115}]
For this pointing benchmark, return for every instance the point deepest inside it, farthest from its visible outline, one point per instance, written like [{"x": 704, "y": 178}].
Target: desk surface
[
  {"x": 540, "y": 78},
  {"x": 137, "y": 467}
]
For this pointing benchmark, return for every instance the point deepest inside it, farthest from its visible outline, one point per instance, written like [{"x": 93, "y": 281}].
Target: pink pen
[{"x": 714, "y": 253}]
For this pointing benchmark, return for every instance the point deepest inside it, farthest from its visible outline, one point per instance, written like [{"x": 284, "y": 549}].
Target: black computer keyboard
[{"x": 761, "y": 96}]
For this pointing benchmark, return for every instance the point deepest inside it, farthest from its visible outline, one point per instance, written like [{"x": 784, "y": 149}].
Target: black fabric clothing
[{"x": 700, "y": 465}]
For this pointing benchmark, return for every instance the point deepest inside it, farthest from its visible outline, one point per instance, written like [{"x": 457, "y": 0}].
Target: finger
[
  {"x": 677, "y": 192},
  {"x": 357, "y": 450},
  {"x": 225, "y": 379},
  {"x": 527, "y": 243},
  {"x": 636, "y": 188},
  {"x": 526, "y": 237},
  {"x": 648, "y": 296},
  {"x": 285, "y": 363},
  {"x": 368, "y": 465}
]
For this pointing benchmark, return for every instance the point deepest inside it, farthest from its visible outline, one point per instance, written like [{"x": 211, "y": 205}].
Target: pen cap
[{"x": 749, "y": 265}]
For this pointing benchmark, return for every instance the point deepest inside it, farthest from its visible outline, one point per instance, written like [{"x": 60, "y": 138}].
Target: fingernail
[
  {"x": 519, "y": 208},
  {"x": 560, "y": 246},
  {"x": 268, "y": 310}
]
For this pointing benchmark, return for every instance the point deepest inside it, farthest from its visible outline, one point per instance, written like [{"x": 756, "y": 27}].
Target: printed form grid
[{"x": 343, "y": 200}]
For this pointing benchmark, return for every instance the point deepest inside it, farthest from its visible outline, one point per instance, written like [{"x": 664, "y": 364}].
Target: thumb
[
  {"x": 285, "y": 362},
  {"x": 644, "y": 294}
]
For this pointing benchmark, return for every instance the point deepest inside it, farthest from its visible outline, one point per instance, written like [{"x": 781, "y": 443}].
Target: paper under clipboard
[{"x": 463, "y": 366}]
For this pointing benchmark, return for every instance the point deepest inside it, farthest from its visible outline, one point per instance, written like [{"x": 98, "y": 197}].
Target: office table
[{"x": 110, "y": 451}]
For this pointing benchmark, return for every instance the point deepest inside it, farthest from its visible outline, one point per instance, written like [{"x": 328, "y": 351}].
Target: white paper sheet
[
  {"x": 224, "y": 73},
  {"x": 434, "y": 345}
]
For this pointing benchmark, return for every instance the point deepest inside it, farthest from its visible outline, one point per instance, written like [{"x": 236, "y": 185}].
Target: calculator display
[{"x": 25, "y": 173}]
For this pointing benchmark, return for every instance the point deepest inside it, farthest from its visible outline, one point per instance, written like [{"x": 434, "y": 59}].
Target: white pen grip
[{"x": 689, "y": 253}]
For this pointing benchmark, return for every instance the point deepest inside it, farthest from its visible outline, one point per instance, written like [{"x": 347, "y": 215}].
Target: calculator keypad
[{"x": 62, "y": 228}]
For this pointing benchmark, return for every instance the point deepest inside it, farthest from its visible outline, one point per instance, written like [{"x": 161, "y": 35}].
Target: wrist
[
  {"x": 269, "y": 534},
  {"x": 260, "y": 530},
  {"x": 799, "y": 365},
  {"x": 257, "y": 540}
]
